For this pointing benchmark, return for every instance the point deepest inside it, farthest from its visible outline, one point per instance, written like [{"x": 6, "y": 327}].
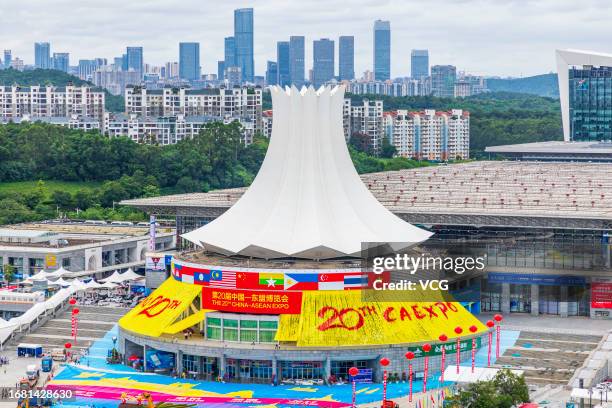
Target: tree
[
  {"x": 62, "y": 199},
  {"x": 13, "y": 212},
  {"x": 505, "y": 390},
  {"x": 9, "y": 272},
  {"x": 387, "y": 150}
]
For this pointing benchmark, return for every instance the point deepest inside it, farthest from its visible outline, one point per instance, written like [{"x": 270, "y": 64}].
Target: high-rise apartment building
[
  {"x": 382, "y": 50},
  {"x": 189, "y": 61},
  {"x": 283, "y": 63},
  {"x": 323, "y": 61},
  {"x": 364, "y": 121},
  {"x": 42, "y": 55},
  {"x": 346, "y": 58},
  {"x": 296, "y": 60},
  {"x": 61, "y": 61},
  {"x": 443, "y": 78},
  {"x": 272, "y": 73},
  {"x": 134, "y": 60},
  {"x": 429, "y": 134},
  {"x": 419, "y": 64},
  {"x": 243, "y": 38}
]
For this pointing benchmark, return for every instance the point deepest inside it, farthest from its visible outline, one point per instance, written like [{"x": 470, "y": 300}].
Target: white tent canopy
[
  {"x": 39, "y": 276},
  {"x": 114, "y": 278},
  {"x": 108, "y": 285},
  {"x": 92, "y": 284},
  {"x": 60, "y": 282},
  {"x": 307, "y": 199},
  {"x": 130, "y": 275},
  {"x": 57, "y": 274}
]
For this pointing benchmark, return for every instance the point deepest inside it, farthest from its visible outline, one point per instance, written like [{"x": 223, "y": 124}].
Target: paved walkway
[{"x": 553, "y": 324}]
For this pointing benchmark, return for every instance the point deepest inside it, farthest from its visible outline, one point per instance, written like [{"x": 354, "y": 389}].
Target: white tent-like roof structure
[
  {"x": 307, "y": 200},
  {"x": 57, "y": 274},
  {"x": 115, "y": 278},
  {"x": 92, "y": 284},
  {"x": 59, "y": 282},
  {"x": 130, "y": 275}
]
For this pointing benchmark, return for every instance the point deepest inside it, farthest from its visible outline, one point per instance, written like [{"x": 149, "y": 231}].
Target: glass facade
[
  {"x": 42, "y": 55},
  {"x": 301, "y": 370},
  {"x": 323, "y": 64},
  {"x": 590, "y": 101},
  {"x": 419, "y": 64},
  {"x": 296, "y": 60},
  {"x": 189, "y": 61},
  {"x": 241, "y": 328},
  {"x": 243, "y": 37},
  {"x": 283, "y": 64},
  {"x": 382, "y": 50},
  {"x": 134, "y": 59},
  {"x": 346, "y": 57}
]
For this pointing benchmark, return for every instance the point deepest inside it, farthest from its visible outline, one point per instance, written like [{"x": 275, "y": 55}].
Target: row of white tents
[{"x": 68, "y": 289}]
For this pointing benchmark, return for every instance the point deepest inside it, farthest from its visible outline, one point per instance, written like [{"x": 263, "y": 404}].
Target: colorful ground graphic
[{"x": 98, "y": 384}]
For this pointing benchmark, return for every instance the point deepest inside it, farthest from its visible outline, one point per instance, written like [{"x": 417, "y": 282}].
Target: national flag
[
  {"x": 433, "y": 401},
  {"x": 301, "y": 281},
  {"x": 271, "y": 280},
  {"x": 201, "y": 277},
  {"x": 222, "y": 279},
  {"x": 331, "y": 281},
  {"x": 353, "y": 281},
  {"x": 251, "y": 280}
]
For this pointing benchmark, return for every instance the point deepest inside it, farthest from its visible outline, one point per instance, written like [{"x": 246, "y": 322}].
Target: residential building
[
  {"x": 346, "y": 58},
  {"x": 272, "y": 73},
  {"x": 296, "y": 60},
  {"x": 17, "y": 64},
  {"x": 172, "y": 70},
  {"x": 364, "y": 120},
  {"x": 419, "y": 64},
  {"x": 443, "y": 78},
  {"x": 88, "y": 67},
  {"x": 382, "y": 50},
  {"x": 266, "y": 123},
  {"x": 50, "y": 101},
  {"x": 113, "y": 79},
  {"x": 42, "y": 55},
  {"x": 323, "y": 61},
  {"x": 239, "y": 103},
  {"x": 189, "y": 61},
  {"x": 429, "y": 134},
  {"x": 468, "y": 85},
  {"x": 61, "y": 61},
  {"x": 243, "y": 41},
  {"x": 233, "y": 75},
  {"x": 134, "y": 60},
  {"x": 283, "y": 63}
]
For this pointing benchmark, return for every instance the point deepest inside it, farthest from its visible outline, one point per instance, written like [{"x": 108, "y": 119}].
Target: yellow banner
[
  {"x": 161, "y": 308},
  {"x": 346, "y": 318}
]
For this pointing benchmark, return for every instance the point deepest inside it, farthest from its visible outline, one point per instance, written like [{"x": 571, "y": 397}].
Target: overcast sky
[{"x": 488, "y": 37}]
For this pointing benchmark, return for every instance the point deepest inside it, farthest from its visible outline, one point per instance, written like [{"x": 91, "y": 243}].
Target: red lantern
[
  {"x": 353, "y": 371},
  {"x": 72, "y": 301},
  {"x": 75, "y": 311},
  {"x": 443, "y": 337},
  {"x": 498, "y": 318},
  {"x": 473, "y": 329},
  {"x": 426, "y": 347},
  {"x": 490, "y": 324},
  {"x": 384, "y": 361},
  {"x": 409, "y": 355},
  {"x": 68, "y": 345},
  {"x": 458, "y": 330}
]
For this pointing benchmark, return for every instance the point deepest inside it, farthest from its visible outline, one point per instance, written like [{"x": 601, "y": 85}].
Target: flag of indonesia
[{"x": 331, "y": 281}]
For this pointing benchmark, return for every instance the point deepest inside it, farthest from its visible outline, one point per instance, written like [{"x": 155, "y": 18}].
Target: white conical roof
[{"x": 307, "y": 200}]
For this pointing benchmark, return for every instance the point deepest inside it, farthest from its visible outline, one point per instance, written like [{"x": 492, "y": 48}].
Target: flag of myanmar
[{"x": 268, "y": 278}]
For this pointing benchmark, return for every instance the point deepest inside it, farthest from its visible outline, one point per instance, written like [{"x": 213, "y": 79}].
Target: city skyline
[{"x": 464, "y": 42}]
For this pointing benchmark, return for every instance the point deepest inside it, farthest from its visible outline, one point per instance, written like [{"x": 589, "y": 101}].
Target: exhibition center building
[{"x": 269, "y": 284}]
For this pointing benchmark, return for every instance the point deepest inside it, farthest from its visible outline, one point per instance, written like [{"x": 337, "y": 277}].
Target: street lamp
[{"x": 114, "y": 341}]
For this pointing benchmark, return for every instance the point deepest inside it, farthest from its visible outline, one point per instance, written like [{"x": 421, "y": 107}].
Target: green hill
[
  {"x": 542, "y": 85},
  {"x": 11, "y": 76}
]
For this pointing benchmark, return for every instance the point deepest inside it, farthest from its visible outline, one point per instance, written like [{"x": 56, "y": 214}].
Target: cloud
[{"x": 492, "y": 37}]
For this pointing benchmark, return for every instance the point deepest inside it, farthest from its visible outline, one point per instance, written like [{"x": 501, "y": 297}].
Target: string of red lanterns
[
  {"x": 426, "y": 349},
  {"x": 458, "y": 331},
  {"x": 409, "y": 357},
  {"x": 443, "y": 339},
  {"x": 490, "y": 325},
  {"x": 498, "y": 318},
  {"x": 384, "y": 362},
  {"x": 473, "y": 330}
]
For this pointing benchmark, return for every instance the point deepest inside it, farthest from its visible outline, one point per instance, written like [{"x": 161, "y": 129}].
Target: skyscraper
[
  {"x": 382, "y": 50},
  {"x": 220, "y": 70},
  {"x": 42, "y": 55},
  {"x": 283, "y": 64},
  {"x": 8, "y": 58},
  {"x": 443, "y": 78},
  {"x": 61, "y": 61},
  {"x": 272, "y": 73},
  {"x": 243, "y": 37},
  {"x": 346, "y": 57},
  {"x": 230, "y": 52},
  {"x": 323, "y": 61},
  {"x": 134, "y": 57},
  {"x": 419, "y": 64},
  {"x": 189, "y": 61},
  {"x": 296, "y": 60}
]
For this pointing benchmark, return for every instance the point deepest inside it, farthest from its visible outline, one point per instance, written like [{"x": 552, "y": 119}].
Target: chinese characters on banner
[
  {"x": 251, "y": 301},
  {"x": 601, "y": 293}
]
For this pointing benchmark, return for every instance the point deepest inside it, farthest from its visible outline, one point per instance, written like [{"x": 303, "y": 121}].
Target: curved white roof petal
[{"x": 307, "y": 200}]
